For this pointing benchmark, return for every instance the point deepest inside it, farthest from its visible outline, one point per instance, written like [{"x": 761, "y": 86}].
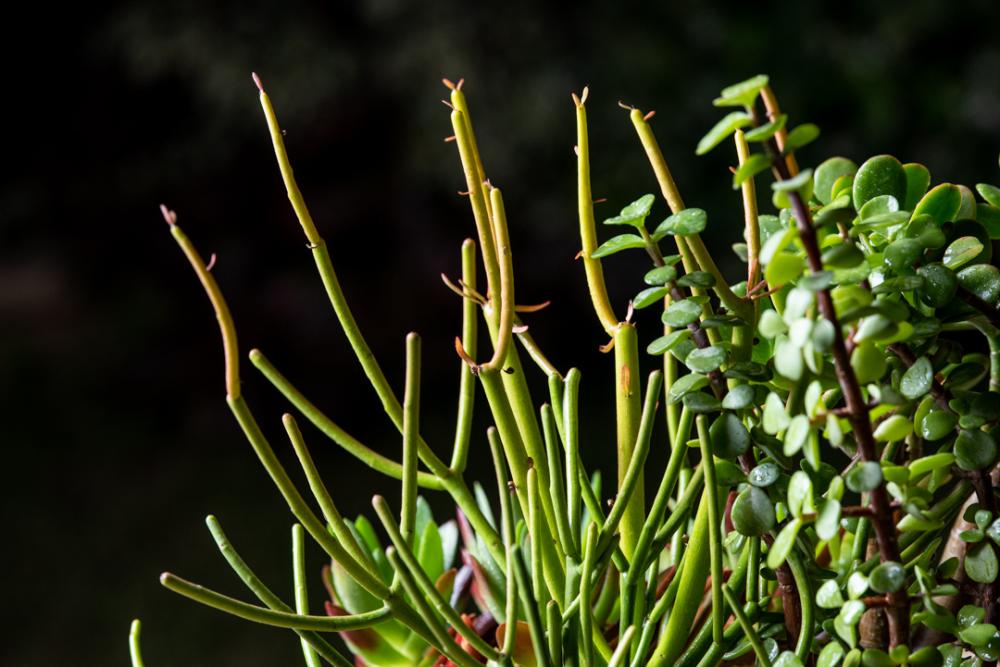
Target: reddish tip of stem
[
  {"x": 449, "y": 138},
  {"x": 627, "y": 107},
  {"x": 458, "y": 86},
  {"x": 168, "y": 215},
  {"x": 211, "y": 262},
  {"x": 520, "y": 328},
  {"x": 447, "y": 104},
  {"x": 585, "y": 95},
  {"x": 576, "y": 99},
  {"x": 576, "y": 149},
  {"x": 448, "y": 84},
  {"x": 600, "y": 200},
  {"x": 649, "y": 115},
  {"x": 256, "y": 80}
]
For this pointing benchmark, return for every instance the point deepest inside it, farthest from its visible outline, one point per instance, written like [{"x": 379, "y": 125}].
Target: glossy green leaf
[
  {"x": 706, "y": 359},
  {"x": 669, "y": 341},
  {"x": 739, "y": 397},
  {"x": 926, "y": 464},
  {"x": 989, "y": 217},
  {"x": 729, "y": 436},
  {"x": 764, "y": 475},
  {"x": 684, "y": 385},
  {"x": 981, "y": 563},
  {"x": 828, "y": 520},
  {"x": 699, "y": 402},
  {"x": 795, "y": 183},
  {"x": 926, "y": 231},
  {"x": 983, "y": 280},
  {"x": 918, "y": 179},
  {"x": 771, "y": 324},
  {"x": 879, "y": 175},
  {"x": 767, "y": 130},
  {"x": 617, "y": 244},
  {"x": 681, "y": 313},
  {"x": 864, "y": 477},
  {"x": 917, "y": 379},
  {"x": 753, "y": 165},
  {"x": 873, "y": 657},
  {"x": 700, "y": 279},
  {"x": 752, "y": 512},
  {"x": 796, "y": 435},
  {"x": 967, "y": 210},
  {"x": 649, "y": 296},
  {"x": 844, "y": 255},
  {"x": 661, "y": 275},
  {"x": 989, "y": 193},
  {"x": 634, "y": 214},
  {"x": 940, "y": 284},
  {"x": 800, "y": 488},
  {"x": 775, "y": 418},
  {"x": 974, "y": 450},
  {"x": 721, "y": 130},
  {"x": 887, "y": 577},
  {"x": 787, "y": 659},
  {"x": 686, "y": 222},
  {"x": 784, "y": 268},
  {"x": 783, "y": 543},
  {"x": 742, "y": 94},
  {"x": 941, "y": 203},
  {"x": 827, "y": 173},
  {"x": 800, "y": 136},
  {"x": 831, "y": 655},
  {"x": 961, "y": 251},
  {"x": 788, "y": 360}
]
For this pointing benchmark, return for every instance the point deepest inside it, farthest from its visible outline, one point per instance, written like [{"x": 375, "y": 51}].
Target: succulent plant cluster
[{"x": 828, "y": 426}]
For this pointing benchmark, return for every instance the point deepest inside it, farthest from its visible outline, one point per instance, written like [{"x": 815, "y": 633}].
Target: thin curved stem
[
  {"x": 628, "y": 408},
  {"x": 506, "y": 273},
  {"x": 714, "y": 529},
  {"x": 301, "y": 593},
  {"x": 571, "y": 429},
  {"x": 588, "y": 233},
  {"x": 586, "y": 593},
  {"x": 134, "y": 649},
  {"x": 411, "y": 429},
  {"x": 467, "y": 382},
  {"x": 266, "y": 616},
  {"x": 531, "y": 611},
  {"x": 748, "y": 629}
]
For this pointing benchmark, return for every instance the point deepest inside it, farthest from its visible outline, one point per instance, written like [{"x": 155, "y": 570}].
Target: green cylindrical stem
[
  {"x": 467, "y": 381},
  {"x": 628, "y": 411},
  {"x": 714, "y": 529},
  {"x": 411, "y": 429},
  {"x": 301, "y": 595}
]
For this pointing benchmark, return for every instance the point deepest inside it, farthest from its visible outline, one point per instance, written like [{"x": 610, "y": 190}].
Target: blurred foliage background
[{"x": 115, "y": 435}]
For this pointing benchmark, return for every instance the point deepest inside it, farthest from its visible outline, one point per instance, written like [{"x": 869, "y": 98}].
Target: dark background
[{"x": 115, "y": 435}]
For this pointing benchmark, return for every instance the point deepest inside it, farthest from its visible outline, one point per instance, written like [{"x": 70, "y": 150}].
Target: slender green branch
[
  {"x": 226, "y": 327},
  {"x": 301, "y": 592},
  {"x": 751, "y": 221},
  {"x": 586, "y": 593},
  {"x": 571, "y": 429},
  {"x": 528, "y": 602},
  {"x": 264, "y": 594},
  {"x": 553, "y": 449},
  {"x": 411, "y": 429},
  {"x": 620, "y": 655},
  {"x": 714, "y": 528},
  {"x": 266, "y": 616},
  {"x": 637, "y": 463},
  {"x": 467, "y": 381},
  {"x": 554, "y": 632},
  {"x": 134, "y": 650},
  {"x": 506, "y": 314},
  {"x": 588, "y": 233},
  {"x": 322, "y": 495},
  {"x": 803, "y": 644},
  {"x": 748, "y": 629}
]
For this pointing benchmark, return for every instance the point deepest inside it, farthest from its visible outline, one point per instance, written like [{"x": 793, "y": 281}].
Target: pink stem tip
[
  {"x": 256, "y": 80},
  {"x": 168, "y": 215}
]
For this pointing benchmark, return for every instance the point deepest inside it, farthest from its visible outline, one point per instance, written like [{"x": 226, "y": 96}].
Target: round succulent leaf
[
  {"x": 967, "y": 210},
  {"x": 742, "y": 94},
  {"x": 928, "y": 656},
  {"x": 755, "y": 164},
  {"x": 879, "y": 175},
  {"x": 961, "y": 251},
  {"x": 877, "y": 206},
  {"x": 981, "y": 563},
  {"x": 974, "y": 450},
  {"x": 989, "y": 193},
  {"x": 983, "y": 280},
  {"x": 684, "y": 223},
  {"x": 787, "y": 659},
  {"x": 873, "y": 657},
  {"x": 864, "y": 477},
  {"x": 681, "y": 313},
  {"x": 617, "y": 244},
  {"x": 661, "y": 275},
  {"x": 634, "y": 214},
  {"x": 917, "y": 379},
  {"x": 989, "y": 217},
  {"x": 801, "y": 135},
  {"x": 868, "y": 362},
  {"x": 669, "y": 341},
  {"x": 857, "y": 584},
  {"x": 940, "y": 284},
  {"x": 739, "y": 397},
  {"x": 702, "y": 279},
  {"x": 828, "y": 595},
  {"x": 796, "y": 435},
  {"x": 844, "y": 255},
  {"x": 937, "y": 424},
  {"x": 942, "y": 203},
  {"x": 722, "y": 129},
  {"x": 887, "y": 577},
  {"x": 753, "y": 512},
  {"x": 827, "y": 173},
  {"x": 930, "y": 463},
  {"x": 767, "y": 130},
  {"x": 926, "y": 231},
  {"x": 685, "y": 384},
  {"x": 874, "y": 327},
  {"x": 918, "y": 179},
  {"x": 705, "y": 360},
  {"x": 699, "y": 402},
  {"x": 828, "y": 520},
  {"x": 775, "y": 417},
  {"x": 649, "y": 296},
  {"x": 832, "y": 654},
  {"x": 764, "y": 474},
  {"x": 800, "y": 489},
  {"x": 903, "y": 253},
  {"x": 801, "y": 182},
  {"x": 771, "y": 324},
  {"x": 783, "y": 543}
]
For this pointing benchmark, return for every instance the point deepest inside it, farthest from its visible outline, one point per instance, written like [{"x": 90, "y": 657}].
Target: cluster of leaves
[{"x": 831, "y": 423}]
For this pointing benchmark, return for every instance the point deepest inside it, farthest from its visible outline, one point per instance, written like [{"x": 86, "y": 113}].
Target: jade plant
[{"x": 823, "y": 433}]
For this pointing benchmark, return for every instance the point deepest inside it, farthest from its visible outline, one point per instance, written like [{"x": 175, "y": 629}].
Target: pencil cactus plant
[{"x": 828, "y": 425}]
